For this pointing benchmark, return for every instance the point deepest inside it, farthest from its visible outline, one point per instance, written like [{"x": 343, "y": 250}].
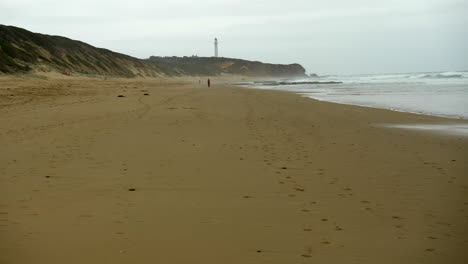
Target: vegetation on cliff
[{"x": 217, "y": 66}]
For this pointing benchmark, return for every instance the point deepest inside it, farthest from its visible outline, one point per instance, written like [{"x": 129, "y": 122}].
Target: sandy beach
[{"x": 175, "y": 172}]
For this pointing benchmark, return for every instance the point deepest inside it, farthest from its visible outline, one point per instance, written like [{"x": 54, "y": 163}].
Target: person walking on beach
[{"x": 209, "y": 82}]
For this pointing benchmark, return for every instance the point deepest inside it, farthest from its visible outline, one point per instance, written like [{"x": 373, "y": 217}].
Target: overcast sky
[{"x": 325, "y": 36}]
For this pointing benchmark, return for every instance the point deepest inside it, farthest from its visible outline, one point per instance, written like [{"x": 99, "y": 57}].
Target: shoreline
[
  {"x": 458, "y": 118},
  {"x": 444, "y": 124},
  {"x": 339, "y": 94},
  {"x": 449, "y": 125},
  {"x": 225, "y": 174}
]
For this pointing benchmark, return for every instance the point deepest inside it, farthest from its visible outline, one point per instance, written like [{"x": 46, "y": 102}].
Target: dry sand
[{"x": 188, "y": 174}]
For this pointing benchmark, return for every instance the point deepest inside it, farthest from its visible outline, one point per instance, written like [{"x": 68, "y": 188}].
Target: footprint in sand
[
  {"x": 308, "y": 253},
  {"x": 86, "y": 215},
  {"x": 3, "y": 221}
]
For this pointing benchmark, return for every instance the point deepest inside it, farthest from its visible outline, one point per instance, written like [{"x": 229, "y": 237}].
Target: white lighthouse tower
[{"x": 216, "y": 47}]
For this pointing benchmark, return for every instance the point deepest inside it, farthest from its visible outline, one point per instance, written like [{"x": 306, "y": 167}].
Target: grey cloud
[{"x": 326, "y": 36}]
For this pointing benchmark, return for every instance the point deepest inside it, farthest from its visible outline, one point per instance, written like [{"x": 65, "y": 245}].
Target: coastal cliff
[
  {"x": 22, "y": 51},
  {"x": 25, "y": 51},
  {"x": 216, "y": 66}
]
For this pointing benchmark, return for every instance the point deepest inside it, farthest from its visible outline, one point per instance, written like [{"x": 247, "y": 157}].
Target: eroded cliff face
[{"x": 24, "y": 51}]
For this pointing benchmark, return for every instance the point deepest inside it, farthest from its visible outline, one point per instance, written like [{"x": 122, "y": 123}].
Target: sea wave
[
  {"x": 433, "y": 93},
  {"x": 421, "y": 77},
  {"x": 444, "y": 75}
]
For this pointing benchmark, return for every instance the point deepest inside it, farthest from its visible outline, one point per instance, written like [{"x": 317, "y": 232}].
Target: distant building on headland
[{"x": 216, "y": 47}]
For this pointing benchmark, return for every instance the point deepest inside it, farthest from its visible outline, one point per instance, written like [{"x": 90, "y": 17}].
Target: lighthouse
[{"x": 216, "y": 47}]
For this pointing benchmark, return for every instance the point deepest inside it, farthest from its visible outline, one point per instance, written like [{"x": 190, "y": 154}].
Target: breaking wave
[{"x": 444, "y": 75}]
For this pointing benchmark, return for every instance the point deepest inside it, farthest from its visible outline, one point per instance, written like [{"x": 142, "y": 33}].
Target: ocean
[{"x": 433, "y": 93}]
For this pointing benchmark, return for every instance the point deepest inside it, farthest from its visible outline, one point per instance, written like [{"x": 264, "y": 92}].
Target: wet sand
[{"x": 190, "y": 174}]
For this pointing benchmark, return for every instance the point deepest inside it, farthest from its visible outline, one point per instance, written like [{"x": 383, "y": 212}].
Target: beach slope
[{"x": 170, "y": 171}]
